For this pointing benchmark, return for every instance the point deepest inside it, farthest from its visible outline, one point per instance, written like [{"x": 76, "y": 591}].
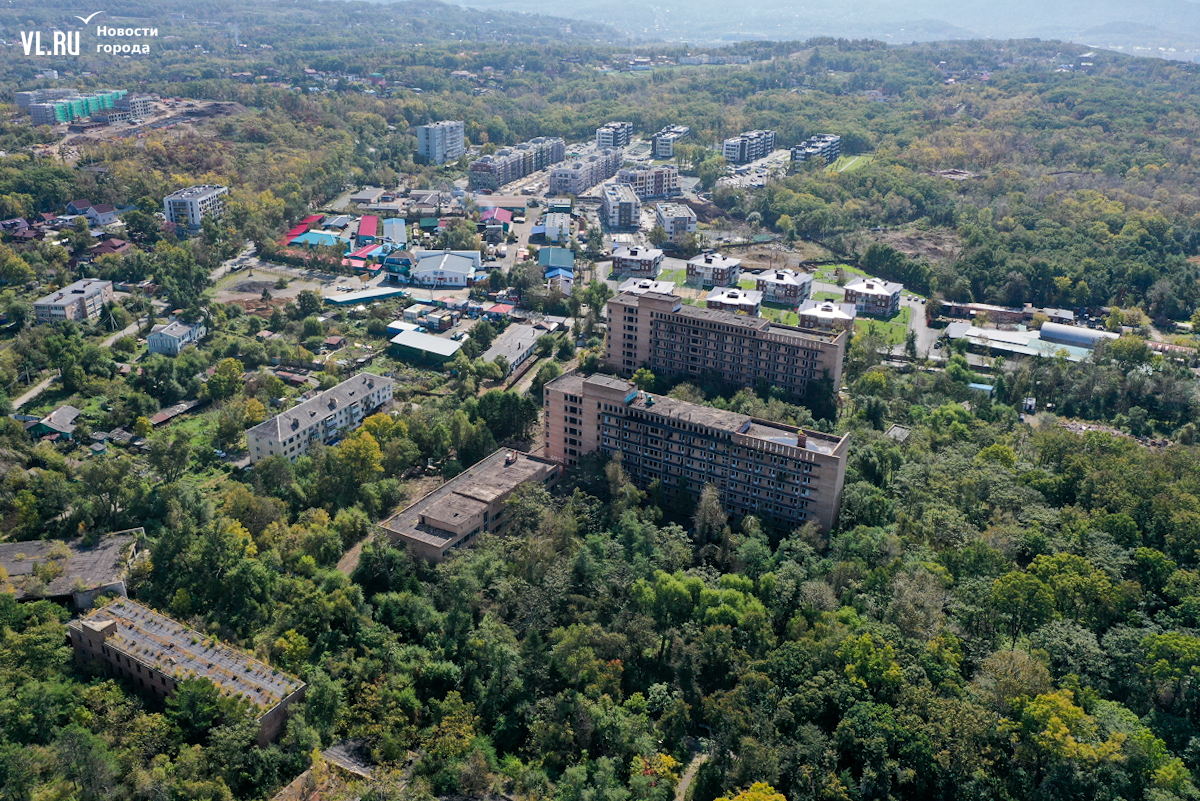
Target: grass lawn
[
  {"x": 893, "y": 330},
  {"x": 678, "y": 276},
  {"x": 828, "y": 296},
  {"x": 747, "y": 283},
  {"x": 780, "y": 314},
  {"x": 826, "y": 272},
  {"x": 851, "y": 163}
]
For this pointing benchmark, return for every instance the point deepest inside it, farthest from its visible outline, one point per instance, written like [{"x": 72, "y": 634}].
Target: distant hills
[{"x": 1172, "y": 25}]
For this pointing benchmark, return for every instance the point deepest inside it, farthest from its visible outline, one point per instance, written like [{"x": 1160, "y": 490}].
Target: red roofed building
[{"x": 368, "y": 229}]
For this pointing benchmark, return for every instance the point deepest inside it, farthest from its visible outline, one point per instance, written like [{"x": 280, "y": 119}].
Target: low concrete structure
[
  {"x": 71, "y": 572},
  {"x": 156, "y": 654},
  {"x": 470, "y": 504}
]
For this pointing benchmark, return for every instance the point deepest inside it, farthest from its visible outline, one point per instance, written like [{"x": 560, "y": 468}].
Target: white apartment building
[
  {"x": 664, "y": 141},
  {"x": 614, "y": 134},
  {"x": 784, "y": 286},
  {"x": 190, "y": 206},
  {"x": 827, "y": 146},
  {"x": 620, "y": 207},
  {"x": 636, "y": 262},
  {"x": 676, "y": 219},
  {"x": 648, "y": 182},
  {"x": 171, "y": 339},
  {"x": 82, "y": 300},
  {"x": 440, "y": 142},
  {"x": 320, "y": 419}
]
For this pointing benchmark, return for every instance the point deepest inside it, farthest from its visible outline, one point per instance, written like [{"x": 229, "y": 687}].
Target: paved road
[
  {"x": 33, "y": 392},
  {"x": 128, "y": 330}
]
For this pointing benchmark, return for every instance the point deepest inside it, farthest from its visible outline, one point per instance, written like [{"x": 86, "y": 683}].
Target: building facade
[
  {"x": 578, "y": 177},
  {"x": 56, "y": 106},
  {"x": 735, "y": 300},
  {"x": 614, "y": 134},
  {"x": 155, "y": 654},
  {"x": 512, "y": 163},
  {"x": 825, "y": 315},
  {"x": 442, "y": 141},
  {"x": 749, "y": 146},
  {"x": 663, "y": 142},
  {"x": 651, "y": 182},
  {"x": 676, "y": 219},
  {"x": 82, "y": 300},
  {"x": 471, "y": 504},
  {"x": 662, "y": 333},
  {"x": 784, "y": 286},
  {"x": 636, "y": 262},
  {"x": 620, "y": 207},
  {"x": 171, "y": 339},
  {"x": 791, "y": 475},
  {"x": 321, "y": 419},
  {"x": 190, "y": 206},
  {"x": 873, "y": 297},
  {"x": 714, "y": 269}
]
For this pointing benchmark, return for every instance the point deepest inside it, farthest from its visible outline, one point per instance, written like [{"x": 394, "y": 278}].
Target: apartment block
[
  {"x": 55, "y": 106},
  {"x": 82, "y": 300},
  {"x": 827, "y": 146},
  {"x": 825, "y": 315},
  {"x": 191, "y": 205},
  {"x": 749, "y": 146},
  {"x": 472, "y": 503},
  {"x": 155, "y": 654},
  {"x": 136, "y": 105},
  {"x": 771, "y": 470},
  {"x": 714, "y": 269},
  {"x": 873, "y": 297},
  {"x": 614, "y": 134},
  {"x": 659, "y": 331},
  {"x": 651, "y": 182},
  {"x": 321, "y": 419},
  {"x": 784, "y": 286},
  {"x": 636, "y": 262},
  {"x": 663, "y": 142},
  {"x": 676, "y": 219},
  {"x": 577, "y": 177},
  {"x": 735, "y": 300},
  {"x": 442, "y": 141},
  {"x": 620, "y": 207},
  {"x": 512, "y": 163}
]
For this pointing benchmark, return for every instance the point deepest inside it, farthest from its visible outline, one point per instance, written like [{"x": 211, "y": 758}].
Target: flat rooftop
[
  {"x": 177, "y": 650},
  {"x": 466, "y": 493},
  {"x": 83, "y": 568}
]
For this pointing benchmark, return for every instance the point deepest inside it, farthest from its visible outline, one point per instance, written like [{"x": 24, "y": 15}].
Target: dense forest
[{"x": 1007, "y": 609}]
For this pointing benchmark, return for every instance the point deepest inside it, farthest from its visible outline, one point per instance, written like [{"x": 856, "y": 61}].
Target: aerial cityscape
[{"x": 425, "y": 401}]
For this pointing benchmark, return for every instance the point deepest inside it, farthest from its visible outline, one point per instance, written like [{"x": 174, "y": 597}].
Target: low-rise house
[
  {"x": 59, "y": 424},
  {"x": 472, "y": 503},
  {"x": 515, "y": 343},
  {"x": 784, "y": 286},
  {"x": 636, "y": 262},
  {"x": 78, "y": 206},
  {"x": 874, "y": 297},
  {"x": 714, "y": 269},
  {"x": 733, "y": 299},
  {"x": 825, "y": 315},
  {"x": 556, "y": 258},
  {"x": 103, "y": 214},
  {"x": 156, "y": 654},
  {"x": 445, "y": 268},
  {"x": 171, "y": 339}
]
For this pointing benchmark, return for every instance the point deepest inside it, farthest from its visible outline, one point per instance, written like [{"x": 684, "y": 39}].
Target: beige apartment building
[
  {"x": 154, "y": 653},
  {"x": 82, "y": 300},
  {"x": 321, "y": 419},
  {"x": 772, "y": 470},
  {"x": 468, "y": 505},
  {"x": 659, "y": 331}
]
